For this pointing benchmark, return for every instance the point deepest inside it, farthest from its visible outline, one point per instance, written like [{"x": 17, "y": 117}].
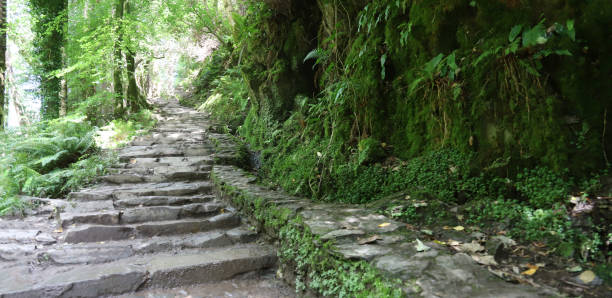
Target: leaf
[
  {"x": 459, "y": 228},
  {"x": 427, "y": 232},
  {"x": 369, "y": 240},
  {"x": 571, "y": 31},
  {"x": 531, "y": 271},
  {"x": 472, "y": 247},
  {"x": 514, "y": 33},
  {"x": 484, "y": 260},
  {"x": 430, "y": 66},
  {"x": 535, "y": 35},
  {"x": 587, "y": 277},
  {"x": 420, "y": 247},
  {"x": 576, "y": 268},
  {"x": 383, "y": 225}
]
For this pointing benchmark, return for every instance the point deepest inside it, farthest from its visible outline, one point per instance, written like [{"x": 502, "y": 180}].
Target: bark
[
  {"x": 118, "y": 59},
  {"x": 3, "y": 26}
]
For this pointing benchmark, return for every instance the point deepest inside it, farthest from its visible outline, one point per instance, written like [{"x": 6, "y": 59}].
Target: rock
[
  {"x": 364, "y": 252},
  {"x": 45, "y": 238},
  {"x": 341, "y": 234},
  {"x": 499, "y": 247}
]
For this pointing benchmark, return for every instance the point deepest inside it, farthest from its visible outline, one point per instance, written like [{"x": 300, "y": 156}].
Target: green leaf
[
  {"x": 514, "y": 33},
  {"x": 571, "y": 31},
  {"x": 535, "y": 35},
  {"x": 430, "y": 66}
]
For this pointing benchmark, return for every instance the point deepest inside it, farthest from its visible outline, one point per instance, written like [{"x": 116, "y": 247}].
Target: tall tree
[
  {"x": 3, "y": 35},
  {"x": 118, "y": 9},
  {"x": 135, "y": 99},
  {"x": 48, "y": 42}
]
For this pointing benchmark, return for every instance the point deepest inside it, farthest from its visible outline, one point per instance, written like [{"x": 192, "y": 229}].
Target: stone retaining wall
[{"x": 350, "y": 250}]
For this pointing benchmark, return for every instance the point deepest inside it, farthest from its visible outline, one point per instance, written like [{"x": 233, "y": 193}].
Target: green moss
[{"x": 307, "y": 258}]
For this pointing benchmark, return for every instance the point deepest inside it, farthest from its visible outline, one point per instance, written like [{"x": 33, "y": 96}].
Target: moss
[{"x": 305, "y": 257}]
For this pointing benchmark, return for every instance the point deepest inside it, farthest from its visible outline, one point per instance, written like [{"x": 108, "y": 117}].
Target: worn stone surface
[
  {"x": 435, "y": 272},
  {"x": 152, "y": 222}
]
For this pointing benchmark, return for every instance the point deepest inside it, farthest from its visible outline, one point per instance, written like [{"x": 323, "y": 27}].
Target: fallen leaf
[
  {"x": 454, "y": 242},
  {"x": 539, "y": 244},
  {"x": 427, "y": 232},
  {"x": 459, "y": 217},
  {"x": 420, "y": 247},
  {"x": 369, "y": 240},
  {"x": 440, "y": 242},
  {"x": 587, "y": 276},
  {"x": 531, "y": 271},
  {"x": 484, "y": 260},
  {"x": 446, "y": 227},
  {"x": 132, "y": 161},
  {"x": 574, "y": 269},
  {"x": 385, "y": 224},
  {"x": 407, "y": 197},
  {"x": 319, "y": 154},
  {"x": 459, "y": 228},
  {"x": 410, "y": 227},
  {"x": 60, "y": 230},
  {"x": 471, "y": 247}
]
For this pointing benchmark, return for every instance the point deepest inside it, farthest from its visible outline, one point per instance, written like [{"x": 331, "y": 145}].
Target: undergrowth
[
  {"x": 475, "y": 105},
  {"x": 53, "y": 158}
]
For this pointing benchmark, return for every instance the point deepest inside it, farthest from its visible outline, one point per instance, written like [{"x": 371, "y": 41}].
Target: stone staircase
[{"x": 152, "y": 223}]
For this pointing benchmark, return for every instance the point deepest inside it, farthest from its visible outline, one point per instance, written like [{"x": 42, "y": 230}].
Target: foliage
[{"x": 49, "y": 159}]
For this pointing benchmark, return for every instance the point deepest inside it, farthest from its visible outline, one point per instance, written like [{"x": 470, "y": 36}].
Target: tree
[
  {"x": 48, "y": 42},
  {"x": 3, "y": 35},
  {"x": 118, "y": 8}
]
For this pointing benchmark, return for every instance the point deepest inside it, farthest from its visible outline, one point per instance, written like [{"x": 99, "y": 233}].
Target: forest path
[{"x": 153, "y": 223}]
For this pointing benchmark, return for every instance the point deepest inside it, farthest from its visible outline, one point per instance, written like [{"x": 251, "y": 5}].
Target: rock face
[{"x": 152, "y": 223}]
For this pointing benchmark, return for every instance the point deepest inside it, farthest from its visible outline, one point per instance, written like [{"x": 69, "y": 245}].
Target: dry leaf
[
  {"x": 420, "y": 247},
  {"x": 531, "y": 271},
  {"x": 427, "y": 232},
  {"x": 587, "y": 276},
  {"x": 446, "y": 227},
  {"x": 133, "y": 161},
  {"x": 484, "y": 260},
  {"x": 459, "y": 228},
  {"x": 60, "y": 230},
  {"x": 385, "y": 224},
  {"x": 454, "y": 242},
  {"x": 369, "y": 240},
  {"x": 471, "y": 247}
]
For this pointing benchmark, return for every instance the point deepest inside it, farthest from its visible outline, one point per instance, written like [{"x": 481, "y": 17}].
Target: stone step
[
  {"x": 98, "y": 233},
  {"x": 142, "y": 214},
  {"x": 98, "y": 253},
  {"x": 180, "y": 174},
  {"x": 164, "y": 151},
  {"x": 180, "y": 161},
  {"x": 110, "y": 192},
  {"x": 131, "y": 274},
  {"x": 147, "y": 201}
]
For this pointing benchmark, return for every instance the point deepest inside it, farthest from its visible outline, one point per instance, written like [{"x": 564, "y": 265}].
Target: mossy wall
[{"x": 529, "y": 105}]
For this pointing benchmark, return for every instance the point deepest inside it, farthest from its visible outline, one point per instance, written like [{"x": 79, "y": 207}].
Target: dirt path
[{"x": 153, "y": 223}]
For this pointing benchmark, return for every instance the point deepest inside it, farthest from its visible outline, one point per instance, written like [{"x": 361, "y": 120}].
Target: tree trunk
[
  {"x": 3, "y": 26},
  {"x": 135, "y": 99},
  {"x": 118, "y": 61},
  {"x": 63, "y": 94}
]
